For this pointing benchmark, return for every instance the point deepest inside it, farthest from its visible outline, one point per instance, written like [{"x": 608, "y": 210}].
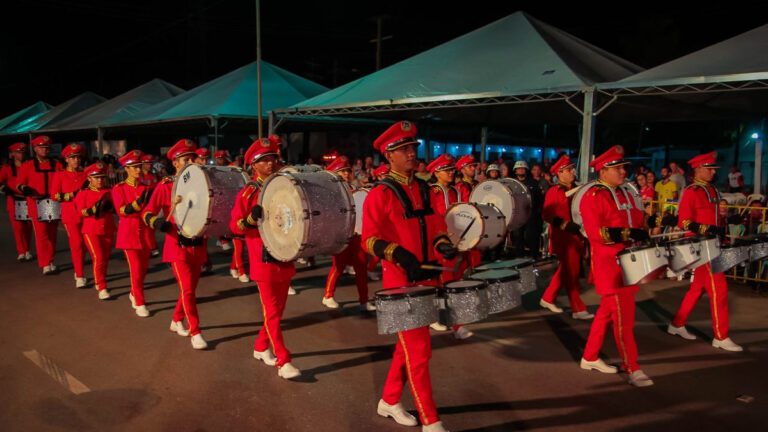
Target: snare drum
[
  {"x": 48, "y": 210},
  {"x": 208, "y": 194},
  {"x": 21, "y": 211},
  {"x": 730, "y": 255},
  {"x": 466, "y": 301},
  {"x": 510, "y": 196},
  {"x": 359, "y": 196},
  {"x": 523, "y": 265},
  {"x": 407, "y": 308},
  {"x": 758, "y": 250},
  {"x": 638, "y": 262},
  {"x": 305, "y": 214},
  {"x": 487, "y": 230},
  {"x": 684, "y": 254},
  {"x": 710, "y": 249},
  {"x": 503, "y": 288}
]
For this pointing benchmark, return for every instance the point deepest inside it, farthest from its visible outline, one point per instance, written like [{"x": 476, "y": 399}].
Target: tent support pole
[
  {"x": 271, "y": 122},
  {"x": 215, "y": 133},
  {"x": 483, "y": 142},
  {"x": 587, "y": 135},
  {"x": 100, "y": 143}
]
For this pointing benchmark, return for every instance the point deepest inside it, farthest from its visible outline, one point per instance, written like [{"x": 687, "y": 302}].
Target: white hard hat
[
  {"x": 520, "y": 164},
  {"x": 492, "y": 167}
]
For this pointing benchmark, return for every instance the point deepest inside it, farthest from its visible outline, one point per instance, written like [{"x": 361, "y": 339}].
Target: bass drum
[
  {"x": 208, "y": 194},
  {"x": 305, "y": 214},
  {"x": 508, "y": 195},
  {"x": 359, "y": 196},
  {"x": 301, "y": 168},
  {"x": 487, "y": 230}
]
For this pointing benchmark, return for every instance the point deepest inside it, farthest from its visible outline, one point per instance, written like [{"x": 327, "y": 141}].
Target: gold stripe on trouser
[
  {"x": 621, "y": 334},
  {"x": 130, "y": 269},
  {"x": 181, "y": 289},
  {"x": 328, "y": 282},
  {"x": 94, "y": 256},
  {"x": 714, "y": 302},
  {"x": 410, "y": 378}
]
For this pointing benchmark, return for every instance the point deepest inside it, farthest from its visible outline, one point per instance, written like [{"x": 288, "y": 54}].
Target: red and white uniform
[
  {"x": 38, "y": 175},
  {"x": 98, "y": 230},
  {"x": 66, "y": 185},
  {"x": 22, "y": 230},
  {"x": 133, "y": 236}
]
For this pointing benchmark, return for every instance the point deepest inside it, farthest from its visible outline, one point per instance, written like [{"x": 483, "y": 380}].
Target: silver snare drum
[
  {"x": 401, "y": 309},
  {"x": 21, "y": 211},
  {"x": 48, "y": 210},
  {"x": 710, "y": 248},
  {"x": 758, "y": 250},
  {"x": 730, "y": 256},
  {"x": 466, "y": 301},
  {"x": 503, "y": 287},
  {"x": 684, "y": 254},
  {"x": 523, "y": 265},
  {"x": 638, "y": 262}
]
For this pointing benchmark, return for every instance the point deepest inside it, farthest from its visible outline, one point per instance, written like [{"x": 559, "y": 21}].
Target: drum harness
[
  {"x": 15, "y": 174},
  {"x": 445, "y": 193},
  {"x": 408, "y": 206},
  {"x": 712, "y": 200},
  {"x": 45, "y": 172}
]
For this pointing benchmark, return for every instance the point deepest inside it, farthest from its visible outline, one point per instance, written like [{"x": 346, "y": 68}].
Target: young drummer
[
  {"x": 22, "y": 230},
  {"x": 66, "y": 185},
  {"x": 133, "y": 236},
  {"x": 95, "y": 205}
]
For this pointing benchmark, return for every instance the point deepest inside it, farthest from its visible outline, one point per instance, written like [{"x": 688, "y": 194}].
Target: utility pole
[
  {"x": 379, "y": 39},
  {"x": 258, "y": 62}
]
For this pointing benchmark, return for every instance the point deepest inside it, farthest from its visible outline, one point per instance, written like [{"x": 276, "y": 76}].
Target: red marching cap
[
  {"x": 275, "y": 139},
  {"x": 464, "y": 161},
  {"x": 41, "y": 141},
  {"x": 133, "y": 157},
  {"x": 443, "y": 162},
  {"x": 73, "y": 150},
  {"x": 338, "y": 164},
  {"x": 708, "y": 160},
  {"x": 182, "y": 147},
  {"x": 147, "y": 158},
  {"x": 203, "y": 152},
  {"x": 381, "y": 170},
  {"x": 563, "y": 162},
  {"x": 98, "y": 169},
  {"x": 260, "y": 148},
  {"x": 613, "y": 157},
  {"x": 221, "y": 154},
  {"x": 398, "y": 135},
  {"x": 19, "y": 147}
]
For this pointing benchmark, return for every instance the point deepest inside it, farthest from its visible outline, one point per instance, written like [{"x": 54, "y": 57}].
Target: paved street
[{"x": 71, "y": 362}]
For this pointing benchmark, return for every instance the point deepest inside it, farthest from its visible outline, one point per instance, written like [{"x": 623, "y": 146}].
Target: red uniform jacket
[
  {"x": 465, "y": 187},
  {"x": 442, "y": 194},
  {"x": 102, "y": 224},
  {"x": 695, "y": 206},
  {"x": 599, "y": 212},
  {"x": 263, "y": 267},
  {"x": 384, "y": 219},
  {"x": 132, "y": 233},
  {"x": 8, "y": 176},
  {"x": 557, "y": 205},
  {"x": 148, "y": 179},
  {"x": 38, "y": 175},
  {"x": 65, "y": 184}
]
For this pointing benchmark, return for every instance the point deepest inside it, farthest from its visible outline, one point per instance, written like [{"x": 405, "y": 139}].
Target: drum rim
[
  {"x": 512, "y": 277},
  {"x": 482, "y": 220},
  {"x": 302, "y": 197},
  {"x": 632, "y": 249},
  {"x": 447, "y": 287},
  {"x": 176, "y": 221},
  {"x": 423, "y": 291}
]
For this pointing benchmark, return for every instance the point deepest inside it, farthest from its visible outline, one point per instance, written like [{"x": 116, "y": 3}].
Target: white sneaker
[
  {"x": 206, "y": 268},
  {"x": 330, "y": 302},
  {"x": 133, "y": 300},
  {"x": 638, "y": 378},
  {"x": 288, "y": 371},
  {"x": 226, "y": 246},
  {"x": 397, "y": 412},
  {"x": 373, "y": 276},
  {"x": 598, "y": 365},
  {"x": 550, "y": 306},
  {"x": 104, "y": 294},
  {"x": 244, "y": 278},
  {"x": 155, "y": 252},
  {"x": 462, "y": 333},
  {"x": 583, "y": 315},
  {"x": 367, "y": 307},
  {"x": 234, "y": 273},
  {"x": 81, "y": 282},
  {"x": 434, "y": 427},
  {"x": 142, "y": 311},
  {"x": 20, "y": 257},
  {"x": 680, "y": 331},
  {"x": 218, "y": 243},
  {"x": 198, "y": 342},
  {"x": 178, "y": 327},
  {"x": 350, "y": 270},
  {"x": 266, "y": 356},
  {"x": 727, "y": 344},
  {"x": 47, "y": 270},
  {"x": 53, "y": 267},
  {"x": 28, "y": 256},
  {"x": 291, "y": 291},
  {"x": 437, "y": 326},
  {"x": 301, "y": 261}
]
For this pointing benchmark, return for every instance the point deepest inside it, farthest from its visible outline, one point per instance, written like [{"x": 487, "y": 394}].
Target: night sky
[{"x": 53, "y": 50}]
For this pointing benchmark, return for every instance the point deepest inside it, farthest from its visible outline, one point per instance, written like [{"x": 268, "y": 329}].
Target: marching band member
[
  {"x": 565, "y": 241},
  {"x": 272, "y": 277},
  {"x": 148, "y": 178},
  {"x": 134, "y": 237},
  {"x": 66, "y": 184},
  {"x": 443, "y": 195},
  {"x": 185, "y": 255},
  {"x": 610, "y": 230},
  {"x": 96, "y": 207},
  {"x": 379, "y": 174},
  {"x": 467, "y": 166},
  {"x": 34, "y": 181},
  {"x": 202, "y": 155},
  {"x": 400, "y": 227},
  {"x": 221, "y": 158},
  {"x": 698, "y": 214},
  {"x": 353, "y": 254},
  {"x": 22, "y": 230}
]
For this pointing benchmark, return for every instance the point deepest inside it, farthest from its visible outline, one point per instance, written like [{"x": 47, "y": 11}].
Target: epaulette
[
  {"x": 250, "y": 189},
  {"x": 166, "y": 179},
  {"x": 597, "y": 187}
]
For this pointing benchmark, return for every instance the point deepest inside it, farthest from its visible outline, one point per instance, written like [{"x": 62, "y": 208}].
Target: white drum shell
[
  {"x": 636, "y": 263},
  {"x": 21, "y": 210},
  {"x": 305, "y": 214},
  {"x": 48, "y": 210},
  {"x": 486, "y": 232},
  {"x": 359, "y": 196},
  {"x": 508, "y": 195},
  {"x": 710, "y": 249},
  {"x": 684, "y": 254}
]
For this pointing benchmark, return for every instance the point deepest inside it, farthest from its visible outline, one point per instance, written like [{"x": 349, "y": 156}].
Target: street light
[{"x": 755, "y": 136}]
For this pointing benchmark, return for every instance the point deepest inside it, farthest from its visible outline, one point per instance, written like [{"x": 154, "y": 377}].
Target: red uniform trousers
[
  {"x": 717, "y": 290},
  {"x": 274, "y": 295},
  {"x": 22, "y": 230},
  {"x": 237, "y": 256},
  {"x": 100, "y": 247},
  {"x": 567, "y": 275},
  {"x": 76, "y": 246},
  {"x": 618, "y": 309},
  {"x": 355, "y": 256},
  {"x": 45, "y": 236},
  {"x": 187, "y": 274},
  {"x": 411, "y": 363},
  {"x": 138, "y": 263}
]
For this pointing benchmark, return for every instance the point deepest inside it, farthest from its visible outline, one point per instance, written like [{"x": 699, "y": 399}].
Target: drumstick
[
  {"x": 671, "y": 233},
  {"x": 466, "y": 230},
  {"x": 177, "y": 199},
  {"x": 435, "y": 267}
]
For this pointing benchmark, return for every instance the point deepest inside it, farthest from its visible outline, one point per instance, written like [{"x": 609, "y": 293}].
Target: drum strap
[
  {"x": 410, "y": 213},
  {"x": 712, "y": 200},
  {"x": 45, "y": 172}
]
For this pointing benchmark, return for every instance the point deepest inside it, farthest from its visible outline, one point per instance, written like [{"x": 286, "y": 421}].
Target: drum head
[
  {"x": 358, "y": 196},
  {"x": 192, "y": 212},
  {"x": 509, "y": 196},
  {"x": 500, "y": 275},
  {"x": 301, "y": 168},
  {"x": 463, "y": 285},
  {"x": 457, "y": 218},
  {"x": 414, "y": 291},
  {"x": 283, "y": 226}
]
